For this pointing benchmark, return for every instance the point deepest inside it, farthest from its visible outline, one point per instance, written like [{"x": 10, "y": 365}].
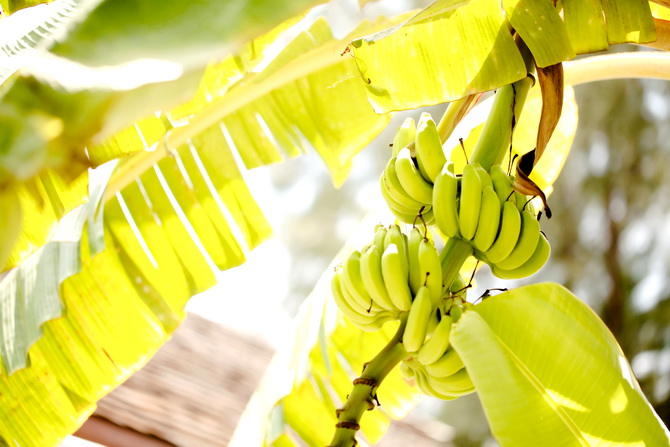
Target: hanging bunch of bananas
[
  {"x": 379, "y": 282},
  {"x": 483, "y": 208},
  {"x": 407, "y": 180},
  {"x": 435, "y": 366}
]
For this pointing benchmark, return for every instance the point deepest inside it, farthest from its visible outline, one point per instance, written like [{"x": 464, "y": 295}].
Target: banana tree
[{"x": 126, "y": 127}]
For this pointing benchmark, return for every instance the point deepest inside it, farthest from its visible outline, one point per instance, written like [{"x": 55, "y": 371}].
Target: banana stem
[
  {"x": 454, "y": 254},
  {"x": 496, "y": 137},
  {"x": 364, "y": 394}
]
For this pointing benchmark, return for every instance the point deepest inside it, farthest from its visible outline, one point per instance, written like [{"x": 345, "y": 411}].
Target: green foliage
[
  {"x": 184, "y": 98},
  {"x": 548, "y": 371}
]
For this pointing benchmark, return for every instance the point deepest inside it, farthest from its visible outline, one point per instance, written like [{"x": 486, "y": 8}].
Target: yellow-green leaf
[
  {"x": 446, "y": 52},
  {"x": 548, "y": 372}
]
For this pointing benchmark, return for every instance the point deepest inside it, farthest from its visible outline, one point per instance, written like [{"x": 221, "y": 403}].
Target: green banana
[
  {"x": 524, "y": 248},
  {"x": 395, "y": 278},
  {"x": 406, "y": 371},
  {"x": 456, "y": 384},
  {"x": 411, "y": 179},
  {"x": 425, "y": 386},
  {"x": 394, "y": 235},
  {"x": 456, "y": 312},
  {"x": 445, "y": 202},
  {"x": 417, "y": 320},
  {"x": 397, "y": 208},
  {"x": 470, "y": 202},
  {"x": 405, "y": 135},
  {"x": 430, "y": 270},
  {"x": 510, "y": 226},
  {"x": 489, "y": 220},
  {"x": 448, "y": 364},
  {"x": 415, "y": 279},
  {"x": 353, "y": 283},
  {"x": 343, "y": 303},
  {"x": 484, "y": 176},
  {"x": 437, "y": 344},
  {"x": 531, "y": 266},
  {"x": 502, "y": 184},
  {"x": 390, "y": 182},
  {"x": 433, "y": 322},
  {"x": 373, "y": 279},
  {"x": 380, "y": 236},
  {"x": 428, "y": 148}
]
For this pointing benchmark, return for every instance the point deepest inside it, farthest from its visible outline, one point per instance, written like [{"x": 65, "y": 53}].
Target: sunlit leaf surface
[
  {"x": 548, "y": 372},
  {"x": 456, "y": 48}
]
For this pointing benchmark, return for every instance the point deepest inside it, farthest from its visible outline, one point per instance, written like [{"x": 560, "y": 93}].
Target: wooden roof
[{"x": 194, "y": 390}]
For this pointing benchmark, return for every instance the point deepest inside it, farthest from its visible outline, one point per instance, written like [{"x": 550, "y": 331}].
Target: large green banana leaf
[
  {"x": 310, "y": 379},
  {"x": 458, "y": 47},
  {"x": 549, "y": 372},
  {"x": 176, "y": 209}
]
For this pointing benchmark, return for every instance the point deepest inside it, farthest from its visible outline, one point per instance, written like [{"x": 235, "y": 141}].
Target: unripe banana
[
  {"x": 445, "y": 202},
  {"x": 406, "y": 371},
  {"x": 353, "y": 283},
  {"x": 484, "y": 176},
  {"x": 405, "y": 135},
  {"x": 395, "y": 278},
  {"x": 430, "y": 270},
  {"x": 458, "y": 287},
  {"x": 417, "y": 320},
  {"x": 424, "y": 385},
  {"x": 457, "y": 384},
  {"x": 380, "y": 236},
  {"x": 456, "y": 312},
  {"x": 489, "y": 220},
  {"x": 470, "y": 202},
  {"x": 521, "y": 201},
  {"x": 502, "y": 184},
  {"x": 373, "y": 279},
  {"x": 525, "y": 246},
  {"x": 510, "y": 227},
  {"x": 411, "y": 179},
  {"x": 448, "y": 364},
  {"x": 343, "y": 303},
  {"x": 437, "y": 344},
  {"x": 394, "y": 235},
  {"x": 398, "y": 209},
  {"x": 535, "y": 263},
  {"x": 415, "y": 279},
  {"x": 433, "y": 322},
  {"x": 428, "y": 148},
  {"x": 390, "y": 182}
]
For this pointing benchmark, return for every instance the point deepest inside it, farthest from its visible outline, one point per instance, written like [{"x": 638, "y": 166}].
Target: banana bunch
[
  {"x": 435, "y": 366},
  {"x": 379, "y": 282},
  {"x": 417, "y": 159},
  {"x": 483, "y": 208}
]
